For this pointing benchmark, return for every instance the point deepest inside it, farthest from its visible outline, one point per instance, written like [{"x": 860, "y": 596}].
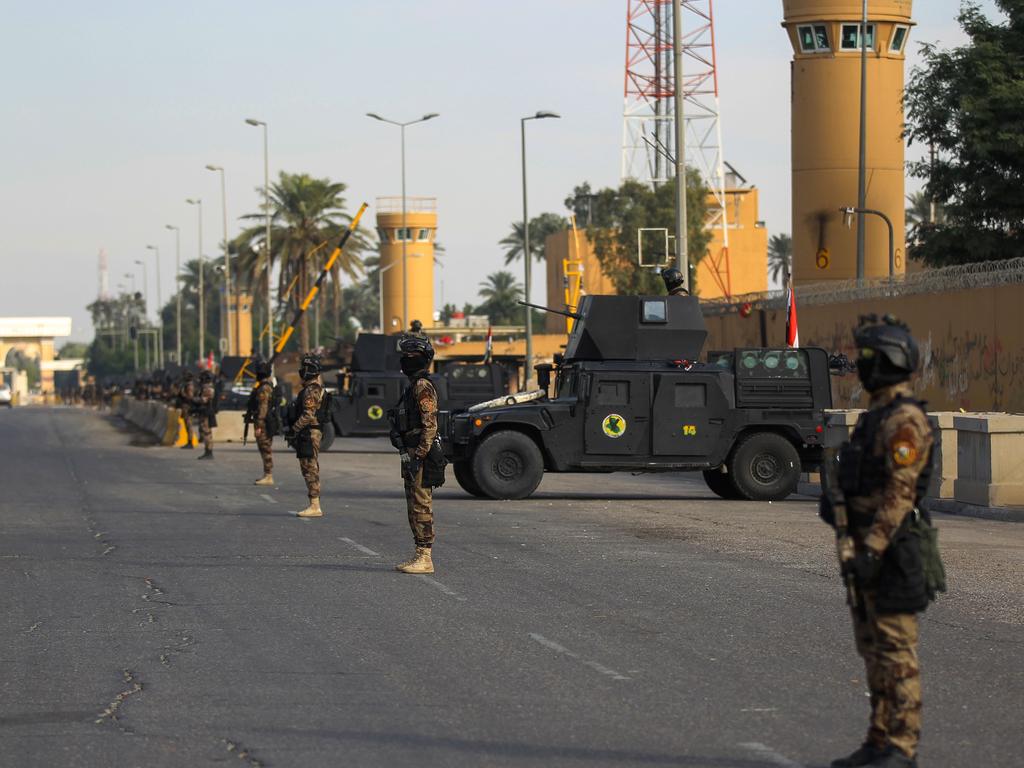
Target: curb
[{"x": 945, "y": 507}]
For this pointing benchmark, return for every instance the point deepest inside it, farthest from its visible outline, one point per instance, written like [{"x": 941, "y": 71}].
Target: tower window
[
  {"x": 851, "y": 34},
  {"x": 403, "y": 233},
  {"x": 423, "y": 235},
  {"x": 899, "y": 39},
  {"x": 813, "y": 38}
]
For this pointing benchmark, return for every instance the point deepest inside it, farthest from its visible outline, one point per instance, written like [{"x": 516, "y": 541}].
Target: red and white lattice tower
[{"x": 649, "y": 112}]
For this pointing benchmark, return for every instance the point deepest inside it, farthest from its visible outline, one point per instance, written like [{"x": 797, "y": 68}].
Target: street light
[
  {"x": 159, "y": 307},
  {"x": 198, "y": 202},
  {"x": 266, "y": 238},
  {"x": 848, "y": 216},
  {"x": 145, "y": 288},
  {"x": 405, "y": 225},
  {"x": 226, "y": 322},
  {"x": 177, "y": 288},
  {"x": 131, "y": 276},
  {"x": 527, "y": 256}
]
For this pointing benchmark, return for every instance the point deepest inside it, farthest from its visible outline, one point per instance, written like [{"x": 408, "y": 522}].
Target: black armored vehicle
[
  {"x": 630, "y": 394},
  {"x": 374, "y": 382}
]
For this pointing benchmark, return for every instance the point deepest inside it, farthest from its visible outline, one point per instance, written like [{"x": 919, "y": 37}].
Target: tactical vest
[
  {"x": 406, "y": 418},
  {"x": 862, "y": 472},
  {"x": 323, "y": 413}
]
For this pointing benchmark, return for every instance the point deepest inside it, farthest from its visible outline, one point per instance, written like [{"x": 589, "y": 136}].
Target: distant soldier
[
  {"x": 205, "y": 408},
  {"x": 674, "y": 283},
  {"x": 416, "y": 329},
  {"x": 883, "y": 473},
  {"x": 414, "y": 433},
  {"x": 306, "y": 429},
  {"x": 262, "y": 414},
  {"x": 186, "y": 394}
]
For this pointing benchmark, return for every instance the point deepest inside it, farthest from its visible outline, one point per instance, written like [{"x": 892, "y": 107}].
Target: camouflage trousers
[
  {"x": 266, "y": 445},
  {"x": 206, "y": 432},
  {"x": 419, "y": 504},
  {"x": 311, "y": 467},
  {"x": 186, "y": 417},
  {"x": 888, "y": 645}
]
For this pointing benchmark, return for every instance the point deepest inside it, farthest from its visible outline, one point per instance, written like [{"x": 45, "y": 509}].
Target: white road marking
[
  {"x": 447, "y": 590},
  {"x": 553, "y": 646},
  {"x": 360, "y": 547},
  {"x": 767, "y": 753},
  {"x": 268, "y": 497},
  {"x": 760, "y": 709}
]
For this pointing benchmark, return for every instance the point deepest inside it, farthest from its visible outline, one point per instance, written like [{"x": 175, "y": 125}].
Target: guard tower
[
  {"x": 418, "y": 236},
  {"x": 826, "y": 133}
]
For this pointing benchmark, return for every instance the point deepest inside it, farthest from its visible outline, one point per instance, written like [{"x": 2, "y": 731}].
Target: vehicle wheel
[
  {"x": 721, "y": 484},
  {"x": 327, "y": 438},
  {"x": 465, "y": 479},
  {"x": 764, "y": 467},
  {"x": 507, "y": 465}
]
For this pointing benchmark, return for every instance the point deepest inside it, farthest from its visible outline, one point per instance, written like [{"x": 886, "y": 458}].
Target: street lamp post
[
  {"x": 145, "y": 301},
  {"x": 848, "y": 214},
  {"x": 198, "y": 202},
  {"x": 862, "y": 163},
  {"x": 266, "y": 238},
  {"x": 159, "y": 307},
  {"x": 405, "y": 224},
  {"x": 177, "y": 289},
  {"x": 226, "y": 323},
  {"x": 527, "y": 256}
]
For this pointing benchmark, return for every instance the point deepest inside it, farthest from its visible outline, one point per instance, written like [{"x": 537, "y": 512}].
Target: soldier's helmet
[
  {"x": 262, "y": 369},
  {"x": 416, "y": 346},
  {"x": 673, "y": 279},
  {"x": 187, "y": 375},
  {"x": 888, "y": 353},
  {"x": 416, "y": 326},
  {"x": 206, "y": 377},
  {"x": 311, "y": 366}
]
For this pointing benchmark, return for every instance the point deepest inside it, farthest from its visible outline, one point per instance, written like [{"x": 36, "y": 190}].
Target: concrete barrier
[
  {"x": 945, "y": 452},
  {"x": 230, "y": 425},
  {"x": 990, "y": 459}
]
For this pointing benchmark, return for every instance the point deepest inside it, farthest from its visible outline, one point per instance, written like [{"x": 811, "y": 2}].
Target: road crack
[
  {"x": 112, "y": 712},
  {"x": 243, "y": 754}
]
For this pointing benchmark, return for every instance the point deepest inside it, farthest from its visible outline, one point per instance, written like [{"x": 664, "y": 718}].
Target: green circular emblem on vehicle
[
  {"x": 614, "y": 425},
  {"x": 375, "y": 412}
]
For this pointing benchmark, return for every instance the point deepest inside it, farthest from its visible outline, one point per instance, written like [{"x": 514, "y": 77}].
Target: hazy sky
[{"x": 112, "y": 109}]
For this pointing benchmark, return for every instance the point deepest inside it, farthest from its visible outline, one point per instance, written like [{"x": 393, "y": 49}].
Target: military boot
[
  {"x": 893, "y": 758},
  {"x": 422, "y": 562},
  {"x": 207, "y": 454},
  {"x": 313, "y": 510},
  {"x": 187, "y": 446},
  {"x": 265, "y": 480},
  {"x": 863, "y": 756}
]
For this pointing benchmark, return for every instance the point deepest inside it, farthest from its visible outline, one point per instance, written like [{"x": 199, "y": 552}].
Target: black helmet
[
  {"x": 416, "y": 326},
  {"x": 187, "y": 375},
  {"x": 310, "y": 367},
  {"x": 262, "y": 369},
  {"x": 673, "y": 279},
  {"x": 888, "y": 353},
  {"x": 413, "y": 346},
  {"x": 206, "y": 376}
]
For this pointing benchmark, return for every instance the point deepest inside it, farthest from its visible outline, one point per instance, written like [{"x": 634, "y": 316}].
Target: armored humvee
[
  {"x": 630, "y": 395},
  {"x": 374, "y": 381}
]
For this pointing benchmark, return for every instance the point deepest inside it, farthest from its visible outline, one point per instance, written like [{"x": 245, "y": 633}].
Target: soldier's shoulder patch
[{"x": 904, "y": 446}]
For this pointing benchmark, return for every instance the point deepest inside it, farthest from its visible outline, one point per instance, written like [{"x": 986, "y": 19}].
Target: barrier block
[
  {"x": 945, "y": 455},
  {"x": 230, "y": 425},
  {"x": 839, "y": 426},
  {"x": 990, "y": 459}
]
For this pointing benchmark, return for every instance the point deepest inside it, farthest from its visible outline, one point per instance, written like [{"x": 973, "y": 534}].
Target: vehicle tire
[
  {"x": 327, "y": 438},
  {"x": 507, "y": 465},
  {"x": 764, "y": 467},
  {"x": 721, "y": 484},
  {"x": 464, "y": 477}
]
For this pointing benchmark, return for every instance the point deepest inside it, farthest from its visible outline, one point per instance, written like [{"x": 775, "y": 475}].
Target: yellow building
[
  {"x": 826, "y": 133},
  {"x": 418, "y": 235}
]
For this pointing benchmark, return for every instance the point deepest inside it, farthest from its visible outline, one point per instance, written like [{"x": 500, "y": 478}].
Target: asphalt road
[{"x": 158, "y": 611}]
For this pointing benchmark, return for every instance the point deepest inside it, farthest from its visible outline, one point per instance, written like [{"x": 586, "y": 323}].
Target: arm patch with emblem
[{"x": 903, "y": 446}]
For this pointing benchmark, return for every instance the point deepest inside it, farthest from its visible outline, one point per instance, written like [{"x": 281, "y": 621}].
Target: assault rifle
[
  {"x": 563, "y": 313},
  {"x": 844, "y": 541}
]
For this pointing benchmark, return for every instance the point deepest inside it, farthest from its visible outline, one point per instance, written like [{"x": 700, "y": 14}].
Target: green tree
[
  {"x": 501, "y": 294},
  {"x": 617, "y": 214},
  {"x": 780, "y": 253},
  {"x": 188, "y": 284},
  {"x": 72, "y": 350},
  {"x": 919, "y": 210},
  {"x": 540, "y": 227},
  {"x": 967, "y": 104}
]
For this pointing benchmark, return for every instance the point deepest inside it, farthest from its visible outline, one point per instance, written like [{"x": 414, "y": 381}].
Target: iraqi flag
[
  {"x": 489, "y": 346},
  {"x": 792, "y": 331}
]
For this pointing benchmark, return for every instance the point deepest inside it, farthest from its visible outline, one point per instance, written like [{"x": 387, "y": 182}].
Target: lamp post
[
  {"x": 177, "y": 289},
  {"x": 862, "y": 163},
  {"x": 226, "y": 323},
  {"x": 848, "y": 214},
  {"x": 527, "y": 256},
  {"x": 159, "y": 307},
  {"x": 266, "y": 237},
  {"x": 682, "y": 226},
  {"x": 145, "y": 288},
  {"x": 198, "y": 202},
  {"x": 405, "y": 225}
]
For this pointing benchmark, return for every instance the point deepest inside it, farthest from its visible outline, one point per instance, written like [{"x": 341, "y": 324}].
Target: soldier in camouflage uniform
[
  {"x": 307, "y": 430},
  {"x": 414, "y": 428},
  {"x": 204, "y": 405},
  {"x": 264, "y": 394},
  {"x": 883, "y": 473},
  {"x": 186, "y": 394},
  {"x": 674, "y": 283}
]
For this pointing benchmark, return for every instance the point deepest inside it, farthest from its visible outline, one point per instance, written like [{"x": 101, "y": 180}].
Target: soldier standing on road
[
  {"x": 674, "y": 283},
  {"x": 413, "y": 432},
  {"x": 307, "y": 429},
  {"x": 263, "y": 421},
  {"x": 204, "y": 406},
  {"x": 186, "y": 394},
  {"x": 883, "y": 473}
]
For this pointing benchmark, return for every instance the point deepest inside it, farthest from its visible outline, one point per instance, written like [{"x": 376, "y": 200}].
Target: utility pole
[
  {"x": 862, "y": 202},
  {"x": 682, "y": 256},
  {"x": 177, "y": 289}
]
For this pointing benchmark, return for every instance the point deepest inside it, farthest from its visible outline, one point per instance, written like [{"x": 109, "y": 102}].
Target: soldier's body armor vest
[
  {"x": 323, "y": 413},
  {"x": 407, "y": 420}
]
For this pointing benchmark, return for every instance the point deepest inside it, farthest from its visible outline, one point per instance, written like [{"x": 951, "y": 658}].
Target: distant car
[{"x": 5, "y": 395}]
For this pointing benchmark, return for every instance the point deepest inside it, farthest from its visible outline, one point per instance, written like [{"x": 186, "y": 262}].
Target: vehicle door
[
  {"x": 617, "y": 417},
  {"x": 689, "y": 414},
  {"x": 373, "y": 398}
]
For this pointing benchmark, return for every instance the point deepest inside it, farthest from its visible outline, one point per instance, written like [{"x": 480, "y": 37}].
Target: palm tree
[
  {"x": 501, "y": 293},
  {"x": 307, "y": 216},
  {"x": 919, "y": 210},
  {"x": 780, "y": 255},
  {"x": 540, "y": 227}
]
